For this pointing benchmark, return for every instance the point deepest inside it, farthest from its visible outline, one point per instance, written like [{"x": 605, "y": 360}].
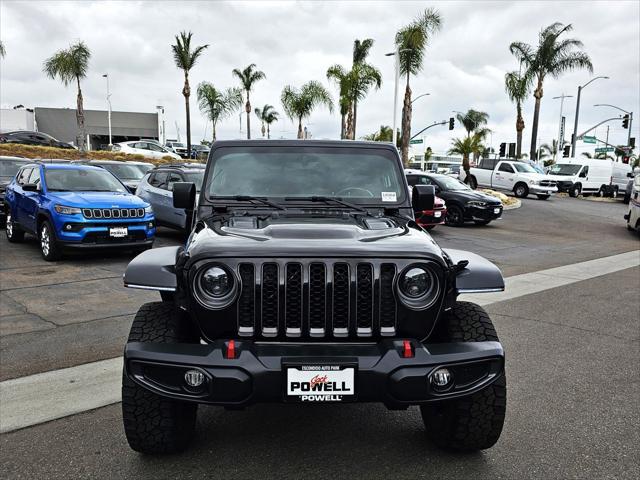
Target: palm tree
[
  {"x": 517, "y": 87},
  {"x": 3, "y": 52},
  {"x": 343, "y": 79},
  {"x": 467, "y": 146},
  {"x": 385, "y": 134},
  {"x": 248, "y": 77},
  {"x": 411, "y": 42},
  {"x": 185, "y": 58},
  {"x": 551, "y": 57},
  {"x": 299, "y": 103},
  {"x": 216, "y": 104},
  {"x": 599, "y": 156},
  {"x": 71, "y": 66},
  {"x": 364, "y": 75},
  {"x": 473, "y": 120},
  {"x": 267, "y": 115}
]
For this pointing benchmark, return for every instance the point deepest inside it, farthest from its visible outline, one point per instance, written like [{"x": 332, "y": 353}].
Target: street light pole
[
  {"x": 106, "y": 75},
  {"x": 396, "y": 56},
  {"x": 622, "y": 110},
  {"x": 560, "y": 132},
  {"x": 575, "y": 122},
  {"x": 420, "y": 96}
]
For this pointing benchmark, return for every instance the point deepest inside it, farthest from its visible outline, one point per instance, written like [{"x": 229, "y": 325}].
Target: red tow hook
[
  {"x": 231, "y": 349},
  {"x": 407, "y": 350}
]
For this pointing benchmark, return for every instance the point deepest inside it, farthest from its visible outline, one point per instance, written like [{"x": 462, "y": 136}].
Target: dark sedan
[
  {"x": 9, "y": 166},
  {"x": 27, "y": 137},
  {"x": 463, "y": 203}
]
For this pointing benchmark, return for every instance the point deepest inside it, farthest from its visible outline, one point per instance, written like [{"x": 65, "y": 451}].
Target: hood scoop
[
  {"x": 243, "y": 222},
  {"x": 378, "y": 223}
]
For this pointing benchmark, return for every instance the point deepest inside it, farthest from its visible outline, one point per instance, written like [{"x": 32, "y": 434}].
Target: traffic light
[
  {"x": 503, "y": 148},
  {"x": 632, "y": 142},
  {"x": 566, "y": 151},
  {"x": 512, "y": 150},
  {"x": 625, "y": 121},
  {"x": 451, "y": 123}
]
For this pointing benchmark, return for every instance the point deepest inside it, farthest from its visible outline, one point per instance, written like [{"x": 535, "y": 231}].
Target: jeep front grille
[
  {"x": 316, "y": 298},
  {"x": 108, "y": 213}
]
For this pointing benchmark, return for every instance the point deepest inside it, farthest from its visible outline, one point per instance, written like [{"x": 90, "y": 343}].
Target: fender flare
[
  {"x": 479, "y": 275},
  {"x": 153, "y": 270}
]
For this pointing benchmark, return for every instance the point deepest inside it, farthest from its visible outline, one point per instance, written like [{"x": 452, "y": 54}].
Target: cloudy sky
[{"x": 293, "y": 42}]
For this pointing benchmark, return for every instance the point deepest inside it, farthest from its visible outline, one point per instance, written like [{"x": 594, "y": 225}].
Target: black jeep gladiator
[{"x": 306, "y": 279}]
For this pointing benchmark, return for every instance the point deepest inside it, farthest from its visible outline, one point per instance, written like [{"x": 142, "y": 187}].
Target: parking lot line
[{"x": 42, "y": 397}]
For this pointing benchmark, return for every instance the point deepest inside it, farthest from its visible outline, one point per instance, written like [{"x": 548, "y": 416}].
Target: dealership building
[{"x": 61, "y": 124}]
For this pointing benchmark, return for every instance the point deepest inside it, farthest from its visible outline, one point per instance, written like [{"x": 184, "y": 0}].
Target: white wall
[{"x": 11, "y": 119}]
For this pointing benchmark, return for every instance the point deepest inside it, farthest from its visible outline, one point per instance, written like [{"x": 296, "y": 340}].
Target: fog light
[
  {"x": 150, "y": 225},
  {"x": 194, "y": 378},
  {"x": 68, "y": 227},
  {"x": 441, "y": 379}
]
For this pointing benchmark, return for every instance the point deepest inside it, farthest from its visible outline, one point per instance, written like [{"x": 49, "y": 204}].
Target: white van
[{"x": 590, "y": 176}]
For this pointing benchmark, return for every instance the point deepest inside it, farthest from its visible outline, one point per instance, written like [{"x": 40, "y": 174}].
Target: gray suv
[{"x": 157, "y": 188}]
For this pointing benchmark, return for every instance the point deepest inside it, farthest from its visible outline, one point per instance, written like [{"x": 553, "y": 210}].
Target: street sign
[
  {"x": 604, "y": 149},
  {"x": 561, "y": 142},
  {"x": 415, "y": 141},
  {"x": 587, "y": 139}
]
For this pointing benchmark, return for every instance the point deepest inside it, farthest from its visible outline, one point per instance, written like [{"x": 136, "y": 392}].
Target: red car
[{"x": 428, "y": 219}]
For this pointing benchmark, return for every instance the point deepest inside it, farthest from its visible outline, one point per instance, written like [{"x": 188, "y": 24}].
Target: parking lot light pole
[
  {"x": 396, "y": 55},
  {"x": 575, "y": 121},
  {"x": 560, "y": 132},
  {"x": 622, "y": 110},
  {"x": 106, "y": 75},
  {"x": 420, "y": 96}
]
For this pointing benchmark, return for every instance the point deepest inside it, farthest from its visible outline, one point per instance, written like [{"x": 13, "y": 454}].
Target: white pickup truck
[{"x": 510, "y": 175}]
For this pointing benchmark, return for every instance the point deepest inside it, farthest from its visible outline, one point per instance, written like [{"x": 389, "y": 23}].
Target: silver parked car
[{"x": 157, "y": 188}]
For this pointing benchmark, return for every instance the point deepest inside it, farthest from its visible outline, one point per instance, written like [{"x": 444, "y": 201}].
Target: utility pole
[
  {"x": 560, "y": 126},
  {"x": 106, "y": 75},
  {"x": 396, "y": 55}
]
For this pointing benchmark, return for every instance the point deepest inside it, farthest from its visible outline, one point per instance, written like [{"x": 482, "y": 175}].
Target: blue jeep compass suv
[{"x": 80, "y": 206}]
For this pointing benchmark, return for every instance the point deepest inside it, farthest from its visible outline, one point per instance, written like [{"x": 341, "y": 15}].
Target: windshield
[
  {"x": 9, "y": 167},
  {"x": 179, "y": 145},
  {"x": 124, "y": 171},
  {"x": 524, "y": 168},
  {"x": 143, "y": 168},
  {"x": 564, "y": 169},
  {"x": 362, "y": 175},
  {"x": 195, "y": 177},
  {"x": 81, "y": 180},
  {"x": 449, "y": 183}
]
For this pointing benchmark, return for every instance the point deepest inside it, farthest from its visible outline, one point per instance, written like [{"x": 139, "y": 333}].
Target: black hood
[
  {"x": 289, "y": 236},
  {"x": 469, "y": 195}
]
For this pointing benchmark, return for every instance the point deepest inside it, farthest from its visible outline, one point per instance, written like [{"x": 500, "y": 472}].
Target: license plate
[
  {"x": 437, "y": 214},
  {"x": 320, "y": 383},
  {"x": 118, "y": 232},
  {"x": 496, "y": 210}
]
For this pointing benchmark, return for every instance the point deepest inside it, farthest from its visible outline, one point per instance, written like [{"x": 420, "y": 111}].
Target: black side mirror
[
  {"x": 184, "y": 195},
  {"x": 30, "y": 187},
  {"x": 423, "y": 197},
  {"x": 630, "y": 174}
]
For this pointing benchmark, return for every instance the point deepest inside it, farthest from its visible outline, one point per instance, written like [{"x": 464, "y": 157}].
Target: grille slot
[
  {"x": 317, "y": 299},
  {"x": 293, "y": 300},
  {"x": 387, "y": 300},
  {"x": 270, "y": 300},
  {"x": 246, "y": 303},
  {"x": 341, "y": 286},
  {"x": 364, "y": 300}
]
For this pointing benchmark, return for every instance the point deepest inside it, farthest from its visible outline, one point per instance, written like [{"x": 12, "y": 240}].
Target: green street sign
[
  {"x": 586, "y": 139},
  {"x": 604, "y": 149},
  {"x": 415, "y": 141}
]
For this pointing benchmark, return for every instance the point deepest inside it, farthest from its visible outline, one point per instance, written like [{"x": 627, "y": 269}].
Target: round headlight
[
  {"x": 216, "y": 282},
  {"x": 418, "y": 287},
  {"x": 215, "y": 287}
]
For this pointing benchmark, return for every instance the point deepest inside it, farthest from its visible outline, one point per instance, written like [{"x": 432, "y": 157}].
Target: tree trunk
[
  {"x": 263, "y": 129},
  {"x": 82, "y": 136},
  {"x": 247, "y": 109},
  {"x": 268, "y": 132},
  {"x": 349, "y": 129},
  {"x": 355, "y": 118},
  {"x": 214, "y": 133},
  {"x": 466, "y": 167},
  {"x": 519, "y": 129},
  {"x": 300, "y": 134},
  {"x": 186, "y": 91},
  {"x": 343, "y": 126},
  {"x": 406, "y": 124},
  {"x": 533, "y": 153}
]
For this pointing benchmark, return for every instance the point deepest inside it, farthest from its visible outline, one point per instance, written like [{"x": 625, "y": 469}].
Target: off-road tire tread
[
  {"x": 154, "y": 424},
  {"x": 474, "y": 422}
]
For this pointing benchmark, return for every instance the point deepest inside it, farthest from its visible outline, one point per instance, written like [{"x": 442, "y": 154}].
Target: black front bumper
[
  {"x": 128, "y": 244},
  {"x": 484, "y": 213},
  {"x": 257, "y": 373}
]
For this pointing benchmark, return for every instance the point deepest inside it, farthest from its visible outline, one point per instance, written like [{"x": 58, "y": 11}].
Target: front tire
[
  {"x": 454, "y": 216},
  {"x": 474, "y": 422},
  {"x": 49, "y": 247},
  {"x": 521, "y": 190},
  {"x": 12, "y": 231},
  {"x": 155, "y": 424},
  {"x": 575, "y": 190}
]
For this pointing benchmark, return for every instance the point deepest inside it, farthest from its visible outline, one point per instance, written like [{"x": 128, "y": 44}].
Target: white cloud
[{"x": 293, "y": 42}]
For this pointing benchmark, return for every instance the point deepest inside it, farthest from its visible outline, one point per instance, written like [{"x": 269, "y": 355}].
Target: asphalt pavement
[{"x": 572, "y": 366}]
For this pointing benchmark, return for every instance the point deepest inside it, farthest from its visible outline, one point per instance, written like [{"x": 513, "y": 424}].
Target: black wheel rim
[{"x": 453, "y": 216}]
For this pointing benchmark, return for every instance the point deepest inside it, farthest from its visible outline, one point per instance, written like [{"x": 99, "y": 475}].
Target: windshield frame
[{"x": 382, "y": 149}]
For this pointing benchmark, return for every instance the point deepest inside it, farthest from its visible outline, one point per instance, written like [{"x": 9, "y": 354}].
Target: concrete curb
[{"x": 518, "y": 204}]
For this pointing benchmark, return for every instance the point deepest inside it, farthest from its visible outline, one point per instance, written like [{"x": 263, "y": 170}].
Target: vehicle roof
[
  {"x": 108, "y": 162},
  {"x": 303, "y": 143},
  {"x": 182, "y": 168},
  {"x": 7, "y": 157},
  {"x": 69, "y": 166}
]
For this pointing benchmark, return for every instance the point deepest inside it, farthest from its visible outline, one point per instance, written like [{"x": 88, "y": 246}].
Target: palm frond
[
  {"x": 412, "y": 40},
  {"x": 183, "y": 56},
  {"x": 68, "y": 65}
]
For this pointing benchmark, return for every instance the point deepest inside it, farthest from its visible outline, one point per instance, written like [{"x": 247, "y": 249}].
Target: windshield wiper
[
  {"x": 335, "y": 200},
  {"x": 249, "y": 198}
]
